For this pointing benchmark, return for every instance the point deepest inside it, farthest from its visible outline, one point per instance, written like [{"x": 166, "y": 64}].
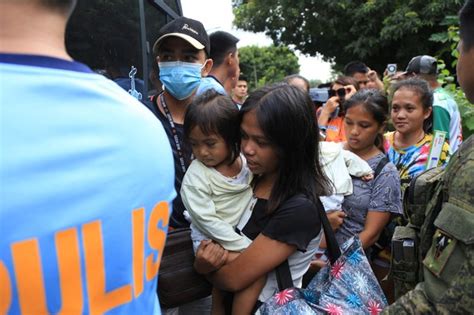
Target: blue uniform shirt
[{"x": 85, "y": 192}]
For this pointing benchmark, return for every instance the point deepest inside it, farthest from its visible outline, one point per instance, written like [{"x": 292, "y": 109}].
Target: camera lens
[{"x": 341, "y": 92}]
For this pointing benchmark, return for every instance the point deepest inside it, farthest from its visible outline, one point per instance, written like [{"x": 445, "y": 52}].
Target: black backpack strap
[
  {"x": 380, "y": 166},
  {"x": 283, "y": 273},
  {"x": 333, "y": 250},
  {"x": 283, "y": 276}
]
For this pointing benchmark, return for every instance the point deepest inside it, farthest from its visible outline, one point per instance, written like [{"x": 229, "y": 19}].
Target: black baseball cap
[
  {"x": 422, "y": 65},
  {"x": 190, "y": 30}
]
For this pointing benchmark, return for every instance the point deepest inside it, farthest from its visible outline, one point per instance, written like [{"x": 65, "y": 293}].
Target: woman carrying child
[
  {"x": 279, "y": 141},
  {"x": 216, "y": 188},
  {"x": 369, "y": 208},
  {"x": 373, "y": 203}
]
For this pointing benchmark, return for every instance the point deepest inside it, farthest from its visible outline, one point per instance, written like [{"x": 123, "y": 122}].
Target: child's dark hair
[
  {"x": 423, "y": 90},
  {"x": 215, "y": 113},
  {"x": 286, "y": 116},
  {"x": 376, "y": 104}
]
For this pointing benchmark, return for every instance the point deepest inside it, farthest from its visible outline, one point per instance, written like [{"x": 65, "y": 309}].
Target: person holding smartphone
[{"x": 331, "y": 115}]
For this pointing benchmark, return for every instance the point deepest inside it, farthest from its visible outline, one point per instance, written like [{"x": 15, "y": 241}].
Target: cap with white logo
[{"x": 190, "y": 30}]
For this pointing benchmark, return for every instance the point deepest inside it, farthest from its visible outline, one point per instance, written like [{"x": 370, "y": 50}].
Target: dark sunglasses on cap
[{"x": 341, "y": 92}]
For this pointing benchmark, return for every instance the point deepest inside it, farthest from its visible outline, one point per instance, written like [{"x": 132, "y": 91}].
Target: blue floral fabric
[{"x": 347, "y": 287}]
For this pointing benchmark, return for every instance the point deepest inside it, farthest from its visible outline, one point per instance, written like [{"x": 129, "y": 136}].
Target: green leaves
[
  {"x": 264, "y": 65},
  {"x": 376, "y": 31},
  {"x": 439, "y": 37},
  {"x": 466, "y": 109}
]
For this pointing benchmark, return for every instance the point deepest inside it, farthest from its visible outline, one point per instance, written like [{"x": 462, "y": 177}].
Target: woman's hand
[
  {"x": 331, "y": 105},
  {"x": 210, "y": 257},
  {"x": 336, "y": 218},
  {"x": 350, "y": 90},
  {"x": 368, "y": 177},
  {"x": 261, "y": 257},
  {"x": 326, "y": 111},
  {"x": 317, "y": 264}
]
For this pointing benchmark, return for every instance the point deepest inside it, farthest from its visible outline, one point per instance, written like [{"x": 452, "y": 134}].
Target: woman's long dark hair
[
  {"x": 286, "y": 116},
  {"x": 376, "y": 104}
]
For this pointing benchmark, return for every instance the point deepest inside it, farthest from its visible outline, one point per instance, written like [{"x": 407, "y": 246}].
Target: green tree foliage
[
  {"x": 450, "y": 40},
  {"x": 375, "y": 31},
  {"x": 465, "y": 108},
  {"x": 264, "y": 65},
  {"x": 315, "y": 82}
]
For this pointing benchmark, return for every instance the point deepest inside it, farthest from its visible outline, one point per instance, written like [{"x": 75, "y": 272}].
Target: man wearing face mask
[{"x": 182, "y": 51}]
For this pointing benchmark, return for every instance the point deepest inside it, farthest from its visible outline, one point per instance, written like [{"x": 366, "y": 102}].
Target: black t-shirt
[
  {"x": 296, "y": 222},
  {"x": 177, "y": 218}
]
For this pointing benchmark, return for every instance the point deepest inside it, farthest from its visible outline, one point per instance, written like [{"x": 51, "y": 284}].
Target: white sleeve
[
  {"x": 355, "y": 165},
  {"x": 196, "y": 195}
]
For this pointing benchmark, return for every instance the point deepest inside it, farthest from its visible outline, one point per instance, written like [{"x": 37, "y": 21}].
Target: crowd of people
[{"x": 90, "y": 187}]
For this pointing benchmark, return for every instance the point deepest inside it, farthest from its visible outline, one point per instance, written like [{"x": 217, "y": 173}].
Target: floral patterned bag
[{"x": 346, "y": 285}]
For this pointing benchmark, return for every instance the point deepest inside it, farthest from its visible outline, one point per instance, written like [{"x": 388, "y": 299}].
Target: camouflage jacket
[{"x": 448, "y": 266}]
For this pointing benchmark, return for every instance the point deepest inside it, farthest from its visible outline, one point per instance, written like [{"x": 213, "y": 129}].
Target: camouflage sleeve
[
  {"x": 414, "y": 302},
  {"x": 458, "y": 298},
  {"x": 448, "y": 266}
]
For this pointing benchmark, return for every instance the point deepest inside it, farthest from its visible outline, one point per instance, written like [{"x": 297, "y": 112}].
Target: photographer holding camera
[{"x": 331, "y": 115}]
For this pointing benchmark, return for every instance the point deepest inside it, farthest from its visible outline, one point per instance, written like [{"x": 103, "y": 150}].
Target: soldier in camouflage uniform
[{"x": 448, "y": 266}]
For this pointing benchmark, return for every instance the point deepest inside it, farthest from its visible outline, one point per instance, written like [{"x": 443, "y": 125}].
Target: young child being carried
[
  {"x": 339, "y": 165},
  {"x": 216, "y": 188}
]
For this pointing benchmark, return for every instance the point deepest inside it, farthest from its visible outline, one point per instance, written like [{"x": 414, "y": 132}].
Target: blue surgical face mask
[{"x": 179, "y": 78}]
